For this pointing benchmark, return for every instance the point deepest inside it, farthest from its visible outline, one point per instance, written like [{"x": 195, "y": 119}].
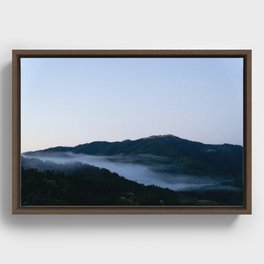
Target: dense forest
[
  {"x": 89, "y": 185},
  {"x": 54, "y": 184}
]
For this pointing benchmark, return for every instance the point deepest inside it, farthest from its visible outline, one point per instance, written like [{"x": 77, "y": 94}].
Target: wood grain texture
[{"x": 16, "y": 121}]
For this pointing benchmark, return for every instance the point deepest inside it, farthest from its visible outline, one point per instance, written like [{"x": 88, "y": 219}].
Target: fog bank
[{"x": 144, "y": 169}]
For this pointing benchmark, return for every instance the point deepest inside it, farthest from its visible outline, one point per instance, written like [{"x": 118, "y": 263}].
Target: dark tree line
[{"x": 89, "y": 185}]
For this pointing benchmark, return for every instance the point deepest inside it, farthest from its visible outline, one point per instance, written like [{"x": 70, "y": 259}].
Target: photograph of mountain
[{"x": 132, "y": 132}]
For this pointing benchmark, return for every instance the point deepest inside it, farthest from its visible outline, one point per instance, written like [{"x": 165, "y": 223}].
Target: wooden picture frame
[{"x": 244, "y": 208}]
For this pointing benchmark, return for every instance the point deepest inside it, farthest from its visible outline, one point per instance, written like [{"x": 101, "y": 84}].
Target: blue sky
[{"x": 69, "y": 101}]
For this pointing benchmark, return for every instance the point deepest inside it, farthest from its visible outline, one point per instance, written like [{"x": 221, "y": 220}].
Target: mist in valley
[{"x": 143, "y": 169}]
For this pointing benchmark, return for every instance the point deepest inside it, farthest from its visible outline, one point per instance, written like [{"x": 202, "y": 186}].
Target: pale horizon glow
[{"x": 71, "y": 101}]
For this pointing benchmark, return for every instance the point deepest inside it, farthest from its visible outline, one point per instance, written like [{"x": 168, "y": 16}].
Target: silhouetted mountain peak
[
  {"x": 187, "y": 156},
  {"x": 162, "y": 136}
]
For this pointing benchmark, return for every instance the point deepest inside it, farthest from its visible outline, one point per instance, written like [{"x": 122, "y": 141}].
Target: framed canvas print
[{"x": 131, "y": 131}]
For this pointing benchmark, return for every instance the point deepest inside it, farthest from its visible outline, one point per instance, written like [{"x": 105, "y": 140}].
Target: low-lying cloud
[{"x": 144, "y": 169}]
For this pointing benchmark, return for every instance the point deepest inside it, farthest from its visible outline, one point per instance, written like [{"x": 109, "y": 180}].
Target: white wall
[{"x": 137, "y": 24}]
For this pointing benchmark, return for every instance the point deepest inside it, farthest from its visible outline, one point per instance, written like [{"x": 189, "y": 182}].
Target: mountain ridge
[
  {"x": 130, "y": 140},
  {"x": 188, "y": 157}
]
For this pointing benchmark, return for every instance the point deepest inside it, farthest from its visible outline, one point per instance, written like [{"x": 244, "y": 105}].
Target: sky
[{"x": 71, "y": 101}]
